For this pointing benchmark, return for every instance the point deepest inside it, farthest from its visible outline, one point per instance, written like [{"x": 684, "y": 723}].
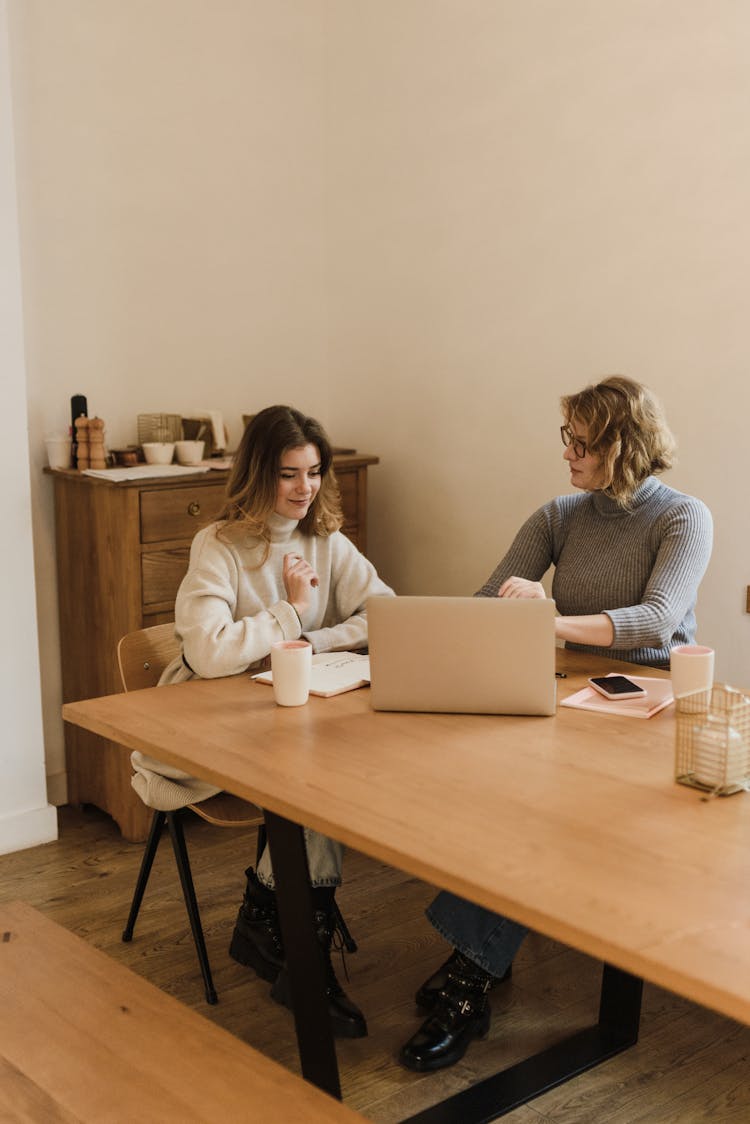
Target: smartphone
[{"x": 617, "y": 687}]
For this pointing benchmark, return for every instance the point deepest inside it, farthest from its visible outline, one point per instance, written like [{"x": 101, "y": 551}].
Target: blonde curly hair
[{"x": 626, "y": 427}]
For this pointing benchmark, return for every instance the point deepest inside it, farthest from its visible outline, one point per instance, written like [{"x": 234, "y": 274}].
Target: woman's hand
[
  {"x": 521, "y": 587},
  {"x": 299, "y": 579}
]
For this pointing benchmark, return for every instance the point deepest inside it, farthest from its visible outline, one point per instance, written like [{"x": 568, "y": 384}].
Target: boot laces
[
  {"x": 331, "y": 938},
  {"x": 338, "y": 944}
]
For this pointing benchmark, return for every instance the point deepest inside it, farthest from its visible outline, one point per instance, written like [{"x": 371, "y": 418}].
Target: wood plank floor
[{"x": 690, "y": 1065}]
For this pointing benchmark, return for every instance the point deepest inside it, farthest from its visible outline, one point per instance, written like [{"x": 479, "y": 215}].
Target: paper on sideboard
[{"x": 144, "y": 471}]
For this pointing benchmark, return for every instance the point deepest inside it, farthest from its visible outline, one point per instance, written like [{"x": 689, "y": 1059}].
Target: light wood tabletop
[{"x": 571, "y": 824}]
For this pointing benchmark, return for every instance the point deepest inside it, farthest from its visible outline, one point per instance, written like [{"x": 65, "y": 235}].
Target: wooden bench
[{"x": 82, "y": 1038}]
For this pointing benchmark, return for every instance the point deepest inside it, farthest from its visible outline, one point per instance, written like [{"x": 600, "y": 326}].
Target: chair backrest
[{"x": 143, "y": 655}]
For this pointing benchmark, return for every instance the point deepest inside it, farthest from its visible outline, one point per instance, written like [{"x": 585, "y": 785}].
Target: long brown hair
[
  {"x": 254, "y": 479},
  {"x": 626, "y": 428}
]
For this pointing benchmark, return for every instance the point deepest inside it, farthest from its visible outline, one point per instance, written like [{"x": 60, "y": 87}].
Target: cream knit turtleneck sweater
[{"x": 231, "y": 607}]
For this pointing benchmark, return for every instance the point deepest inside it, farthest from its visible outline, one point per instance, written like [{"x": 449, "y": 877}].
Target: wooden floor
[{"x": 690, "y": 1065}]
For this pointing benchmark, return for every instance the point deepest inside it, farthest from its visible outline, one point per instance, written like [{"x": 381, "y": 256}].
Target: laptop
[{"x": 462, "y": 655}]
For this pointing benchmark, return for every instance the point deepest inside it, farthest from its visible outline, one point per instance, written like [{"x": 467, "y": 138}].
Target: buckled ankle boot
[
  {"x": 426, "y": 996},
  {"x": 347, "y": 1021},
  {"x": 256, "y": 940},
  {"x": 460, "y": 1014}
]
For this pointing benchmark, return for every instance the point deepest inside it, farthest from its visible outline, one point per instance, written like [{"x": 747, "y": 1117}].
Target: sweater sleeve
[
  {"x": 214, "y": 643},
  {"x": 683, "y": 550},
  {"x": 530, "y": 554},
  {"x": 353, "y": 580}
]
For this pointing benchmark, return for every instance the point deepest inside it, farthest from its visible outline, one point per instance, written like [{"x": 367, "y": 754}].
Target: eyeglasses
[{"x": 569, "y": 439}]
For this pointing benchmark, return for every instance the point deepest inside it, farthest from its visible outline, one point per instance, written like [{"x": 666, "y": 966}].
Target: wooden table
[{"x": 572, "y": 825}]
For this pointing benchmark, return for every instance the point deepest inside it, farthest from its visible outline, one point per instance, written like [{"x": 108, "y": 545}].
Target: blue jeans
[{"x": 487, "y": 939}]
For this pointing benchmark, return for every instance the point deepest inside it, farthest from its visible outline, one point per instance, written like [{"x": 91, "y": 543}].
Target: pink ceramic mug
[{"x": 692, "y": 667}]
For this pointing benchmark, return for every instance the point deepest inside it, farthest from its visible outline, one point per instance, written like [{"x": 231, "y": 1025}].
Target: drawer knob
[{"x": 194, "y": 508}]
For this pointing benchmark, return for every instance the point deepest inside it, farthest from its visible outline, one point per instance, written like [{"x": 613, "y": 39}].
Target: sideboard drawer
[
  {"x": 348, "y": 484},
  {"x": 179, "y": 513},
  {"x": 161, "y": 572}
]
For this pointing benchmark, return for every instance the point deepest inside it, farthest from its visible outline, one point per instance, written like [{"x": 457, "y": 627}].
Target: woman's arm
[
  {"x": 214, "y": 642},
  {"x": 683, "y": 553},
  {"x": 531, "y": 553},
  {"x": 595, "y": 629},
  {"x": 353, "y": 580}
]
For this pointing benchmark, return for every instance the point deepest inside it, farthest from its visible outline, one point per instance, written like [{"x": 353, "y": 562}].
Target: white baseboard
[{"x": 19, "y": 830}]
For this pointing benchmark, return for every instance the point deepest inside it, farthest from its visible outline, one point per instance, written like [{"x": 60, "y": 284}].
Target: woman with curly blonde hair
[
  {"x": 275, "y": 566},
  {"x": 628, "y": 553}
]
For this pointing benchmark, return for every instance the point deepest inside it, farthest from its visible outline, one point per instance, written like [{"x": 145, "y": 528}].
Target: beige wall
[
  {"x": 533, "y": 194},
  {"x": 423, "y": 220},
  {"x": 174, "y": 205}
]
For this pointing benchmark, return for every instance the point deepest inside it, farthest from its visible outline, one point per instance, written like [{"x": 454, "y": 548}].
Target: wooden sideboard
[{"x": 122, "y": 550}]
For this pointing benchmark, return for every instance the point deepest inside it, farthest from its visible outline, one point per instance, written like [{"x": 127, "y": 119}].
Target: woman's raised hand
[
  {"x": 299, "y": 578},
  {"x": 521, "y": 587}
]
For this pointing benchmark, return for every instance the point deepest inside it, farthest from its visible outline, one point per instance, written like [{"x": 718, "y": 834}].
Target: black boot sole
[
  {"x": 341, "y": 1028},
  {"x": 245, "y": 952},
  {"x": 429, "y": 1065}
]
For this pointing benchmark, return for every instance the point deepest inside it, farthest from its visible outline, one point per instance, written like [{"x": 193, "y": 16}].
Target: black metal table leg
[
  {"x": 304, "y": 958},
  {"x": 620, "y": 1004},
  {"x": 616, "y": 1030}
]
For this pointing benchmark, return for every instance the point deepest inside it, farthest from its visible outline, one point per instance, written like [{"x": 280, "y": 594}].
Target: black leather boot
[
  {"x": 347, "y": 1021},
  {"x": 256, "y": 940},
  {"x": 460, "y": 1014},
  {"x": 426, "y": 996}
]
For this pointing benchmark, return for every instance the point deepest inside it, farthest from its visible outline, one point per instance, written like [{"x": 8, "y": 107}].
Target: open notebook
[{"x": 332, "y": 673}]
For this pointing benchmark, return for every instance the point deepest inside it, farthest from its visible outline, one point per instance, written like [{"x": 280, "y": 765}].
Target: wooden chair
[{"x": 142, "y": 657}]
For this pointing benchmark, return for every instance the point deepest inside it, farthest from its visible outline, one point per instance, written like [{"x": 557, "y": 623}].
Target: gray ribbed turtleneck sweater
[{"x": 641, "y": 567}]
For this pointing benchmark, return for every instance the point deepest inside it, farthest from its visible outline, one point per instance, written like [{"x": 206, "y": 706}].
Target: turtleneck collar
[
  {"x": 605, "y": 505},
  {"x": 280, "y": 528}
]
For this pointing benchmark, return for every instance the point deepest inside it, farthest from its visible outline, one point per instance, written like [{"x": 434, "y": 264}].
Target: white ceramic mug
[
  {"x": 692, "y": 668},
  {"x": 291, "y": 664},
  {"x": 189, "y": 452},
  {"x": 58, "y": 451}
]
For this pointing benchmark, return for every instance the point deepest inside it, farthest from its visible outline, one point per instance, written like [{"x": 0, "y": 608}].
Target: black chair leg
[
  {"x": 348, "y": 940},
  {"x": 174, "y": 823},
  {"x": 154, "y": 835}
]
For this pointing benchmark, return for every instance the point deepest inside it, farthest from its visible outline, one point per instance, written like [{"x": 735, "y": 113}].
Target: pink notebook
[{"x": 658, "y": 695}]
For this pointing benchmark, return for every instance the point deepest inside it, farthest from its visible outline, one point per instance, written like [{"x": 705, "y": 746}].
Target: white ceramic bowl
[
  {"x": 189, "y": 452},
  {"x": 158, "y": 452}
]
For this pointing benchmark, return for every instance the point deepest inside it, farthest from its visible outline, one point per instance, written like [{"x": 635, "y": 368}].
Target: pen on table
[{"x": 561, "y": 675}]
